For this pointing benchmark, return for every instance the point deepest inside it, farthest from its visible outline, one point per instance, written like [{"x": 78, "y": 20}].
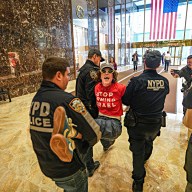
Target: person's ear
[
  {"x": 94, "y": 56},
  {"x": 59, "y": 75},
  {"x": 144, "y": 64}
]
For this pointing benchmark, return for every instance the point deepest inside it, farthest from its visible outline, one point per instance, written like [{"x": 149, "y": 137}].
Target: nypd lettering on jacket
[
  {"x": 42, "y": 111},
  {"x": 155, "y": 85}
]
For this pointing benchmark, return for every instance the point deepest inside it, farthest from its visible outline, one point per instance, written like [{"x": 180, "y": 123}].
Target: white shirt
[{"x": 167, "y": 57}]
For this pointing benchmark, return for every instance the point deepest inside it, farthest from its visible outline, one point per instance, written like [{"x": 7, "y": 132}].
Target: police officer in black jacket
[
  {"x": 85, "y": 85},
  {"x": 187, "y": 103},
  {"x": 45, "y": 119},
  {"x": 186, "y": 73},
  {"x": 145, "y": 94}
]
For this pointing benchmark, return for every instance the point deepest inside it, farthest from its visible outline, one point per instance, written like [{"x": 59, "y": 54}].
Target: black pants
[
  {"x": 110, "y": 128},
  {"x": 135, "y": 65},
  {"x": 166, "y": 65},
  {"x": 141, "y": 139},
  {"x": 89, "y": 157}
]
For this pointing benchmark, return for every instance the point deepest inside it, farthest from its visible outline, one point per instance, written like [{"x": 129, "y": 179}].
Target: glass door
[
  {"x": 175, "y": 55},
  {"x": 80, "y": 45}
]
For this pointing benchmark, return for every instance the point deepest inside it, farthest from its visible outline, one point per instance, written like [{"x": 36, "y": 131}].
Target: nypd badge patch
[
  {"x": 77, "y": 105},
  {"x": 93, "y": 74}
]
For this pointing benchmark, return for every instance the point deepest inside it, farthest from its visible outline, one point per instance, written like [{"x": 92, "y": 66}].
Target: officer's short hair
[
  {"x": 93, "y": 52},
  {"x": 189, "y": 57},
  {"x": 52, "y": 65},
  {"x": 153, "y": 59}
]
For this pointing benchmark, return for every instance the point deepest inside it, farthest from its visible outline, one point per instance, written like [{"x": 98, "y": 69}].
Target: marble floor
[{"x": 19, "y": 170}]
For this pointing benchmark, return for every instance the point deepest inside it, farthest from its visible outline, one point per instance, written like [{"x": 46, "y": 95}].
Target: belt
[
  {"x": 41, "y": 129},
  {"x": 148, "y": 120},
  {"x": 113, "y": 117}
]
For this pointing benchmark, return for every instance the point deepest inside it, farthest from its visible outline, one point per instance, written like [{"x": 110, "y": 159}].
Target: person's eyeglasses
[{"x": 107, "y": 70}]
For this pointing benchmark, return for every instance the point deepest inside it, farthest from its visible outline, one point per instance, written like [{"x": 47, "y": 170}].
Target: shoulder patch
[
  {"x": 93, "y": 74},
  {"x": 78, "y": 106}
]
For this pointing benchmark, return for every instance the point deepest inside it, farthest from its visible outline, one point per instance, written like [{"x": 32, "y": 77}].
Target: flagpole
[{"x": 184, "y": 29}]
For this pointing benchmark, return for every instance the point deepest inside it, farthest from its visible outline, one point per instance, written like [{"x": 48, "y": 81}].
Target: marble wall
[
  {"x": 22, "y": 85},
  {"x": 31, "y": 31}
]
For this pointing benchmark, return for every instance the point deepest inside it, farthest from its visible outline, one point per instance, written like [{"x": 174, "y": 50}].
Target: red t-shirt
[{"x": 109, "y": 99}]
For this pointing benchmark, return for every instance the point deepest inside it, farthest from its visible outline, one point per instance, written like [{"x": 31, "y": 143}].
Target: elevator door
[{"x": 175, "y": 55}]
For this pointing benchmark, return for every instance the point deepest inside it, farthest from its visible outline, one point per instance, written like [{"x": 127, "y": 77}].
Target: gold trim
[{"x": 41, "y": 129}]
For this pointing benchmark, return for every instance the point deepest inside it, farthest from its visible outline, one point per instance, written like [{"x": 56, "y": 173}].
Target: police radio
[{"x": 163, "y": 119}]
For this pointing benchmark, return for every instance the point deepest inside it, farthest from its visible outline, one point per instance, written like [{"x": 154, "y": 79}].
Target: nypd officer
[
  {"x": 52, "y": 111},
  {"x": 186, "y": 73},
  {"x": 85, "y": 85},
  {"x": 145, "y": 94}
]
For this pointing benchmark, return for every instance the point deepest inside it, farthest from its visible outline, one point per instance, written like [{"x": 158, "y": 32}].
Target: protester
[
  {"x": 61, "y": 128},
  {"x": 108, "y": 96},
  {"x": 85, "y": 85},
  {"x": 145, "y": 94}
]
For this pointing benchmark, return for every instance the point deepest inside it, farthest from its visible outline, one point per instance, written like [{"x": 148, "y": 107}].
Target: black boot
[
  {"x": 91, "y": 167},
  {"x": 137, "y": 187}
]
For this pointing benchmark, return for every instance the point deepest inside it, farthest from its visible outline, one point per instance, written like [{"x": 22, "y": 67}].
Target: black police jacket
[
  {"x": 44, "y": 103},
  {"x": 186, "y": 72},
  {"x": 187, "y": 100},
  {"x": 146, "y": 93},
  {"x": 85, "y": 86}
]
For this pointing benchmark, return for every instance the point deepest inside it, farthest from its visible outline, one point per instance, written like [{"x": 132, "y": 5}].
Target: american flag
[{"x": 163, "y": 19}]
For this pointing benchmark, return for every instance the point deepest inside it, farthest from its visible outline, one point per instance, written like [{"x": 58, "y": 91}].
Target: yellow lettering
[
  {"x": 38, "y": 121},
  {"x": 161, "y": 83},
  {"x": 35, "y": 107},
  {"x": 45, "y": 109},
  {"x": 157, "y": 83},
  {"x": 32, "y": 121},
  {"x": 150, "y": 83},
  {"x": 46, "y": 122}
]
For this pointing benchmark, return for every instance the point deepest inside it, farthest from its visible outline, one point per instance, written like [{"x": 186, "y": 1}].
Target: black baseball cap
[
  {"x": 97, "y": 52},
  {"x": 153, "y": 59}
]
